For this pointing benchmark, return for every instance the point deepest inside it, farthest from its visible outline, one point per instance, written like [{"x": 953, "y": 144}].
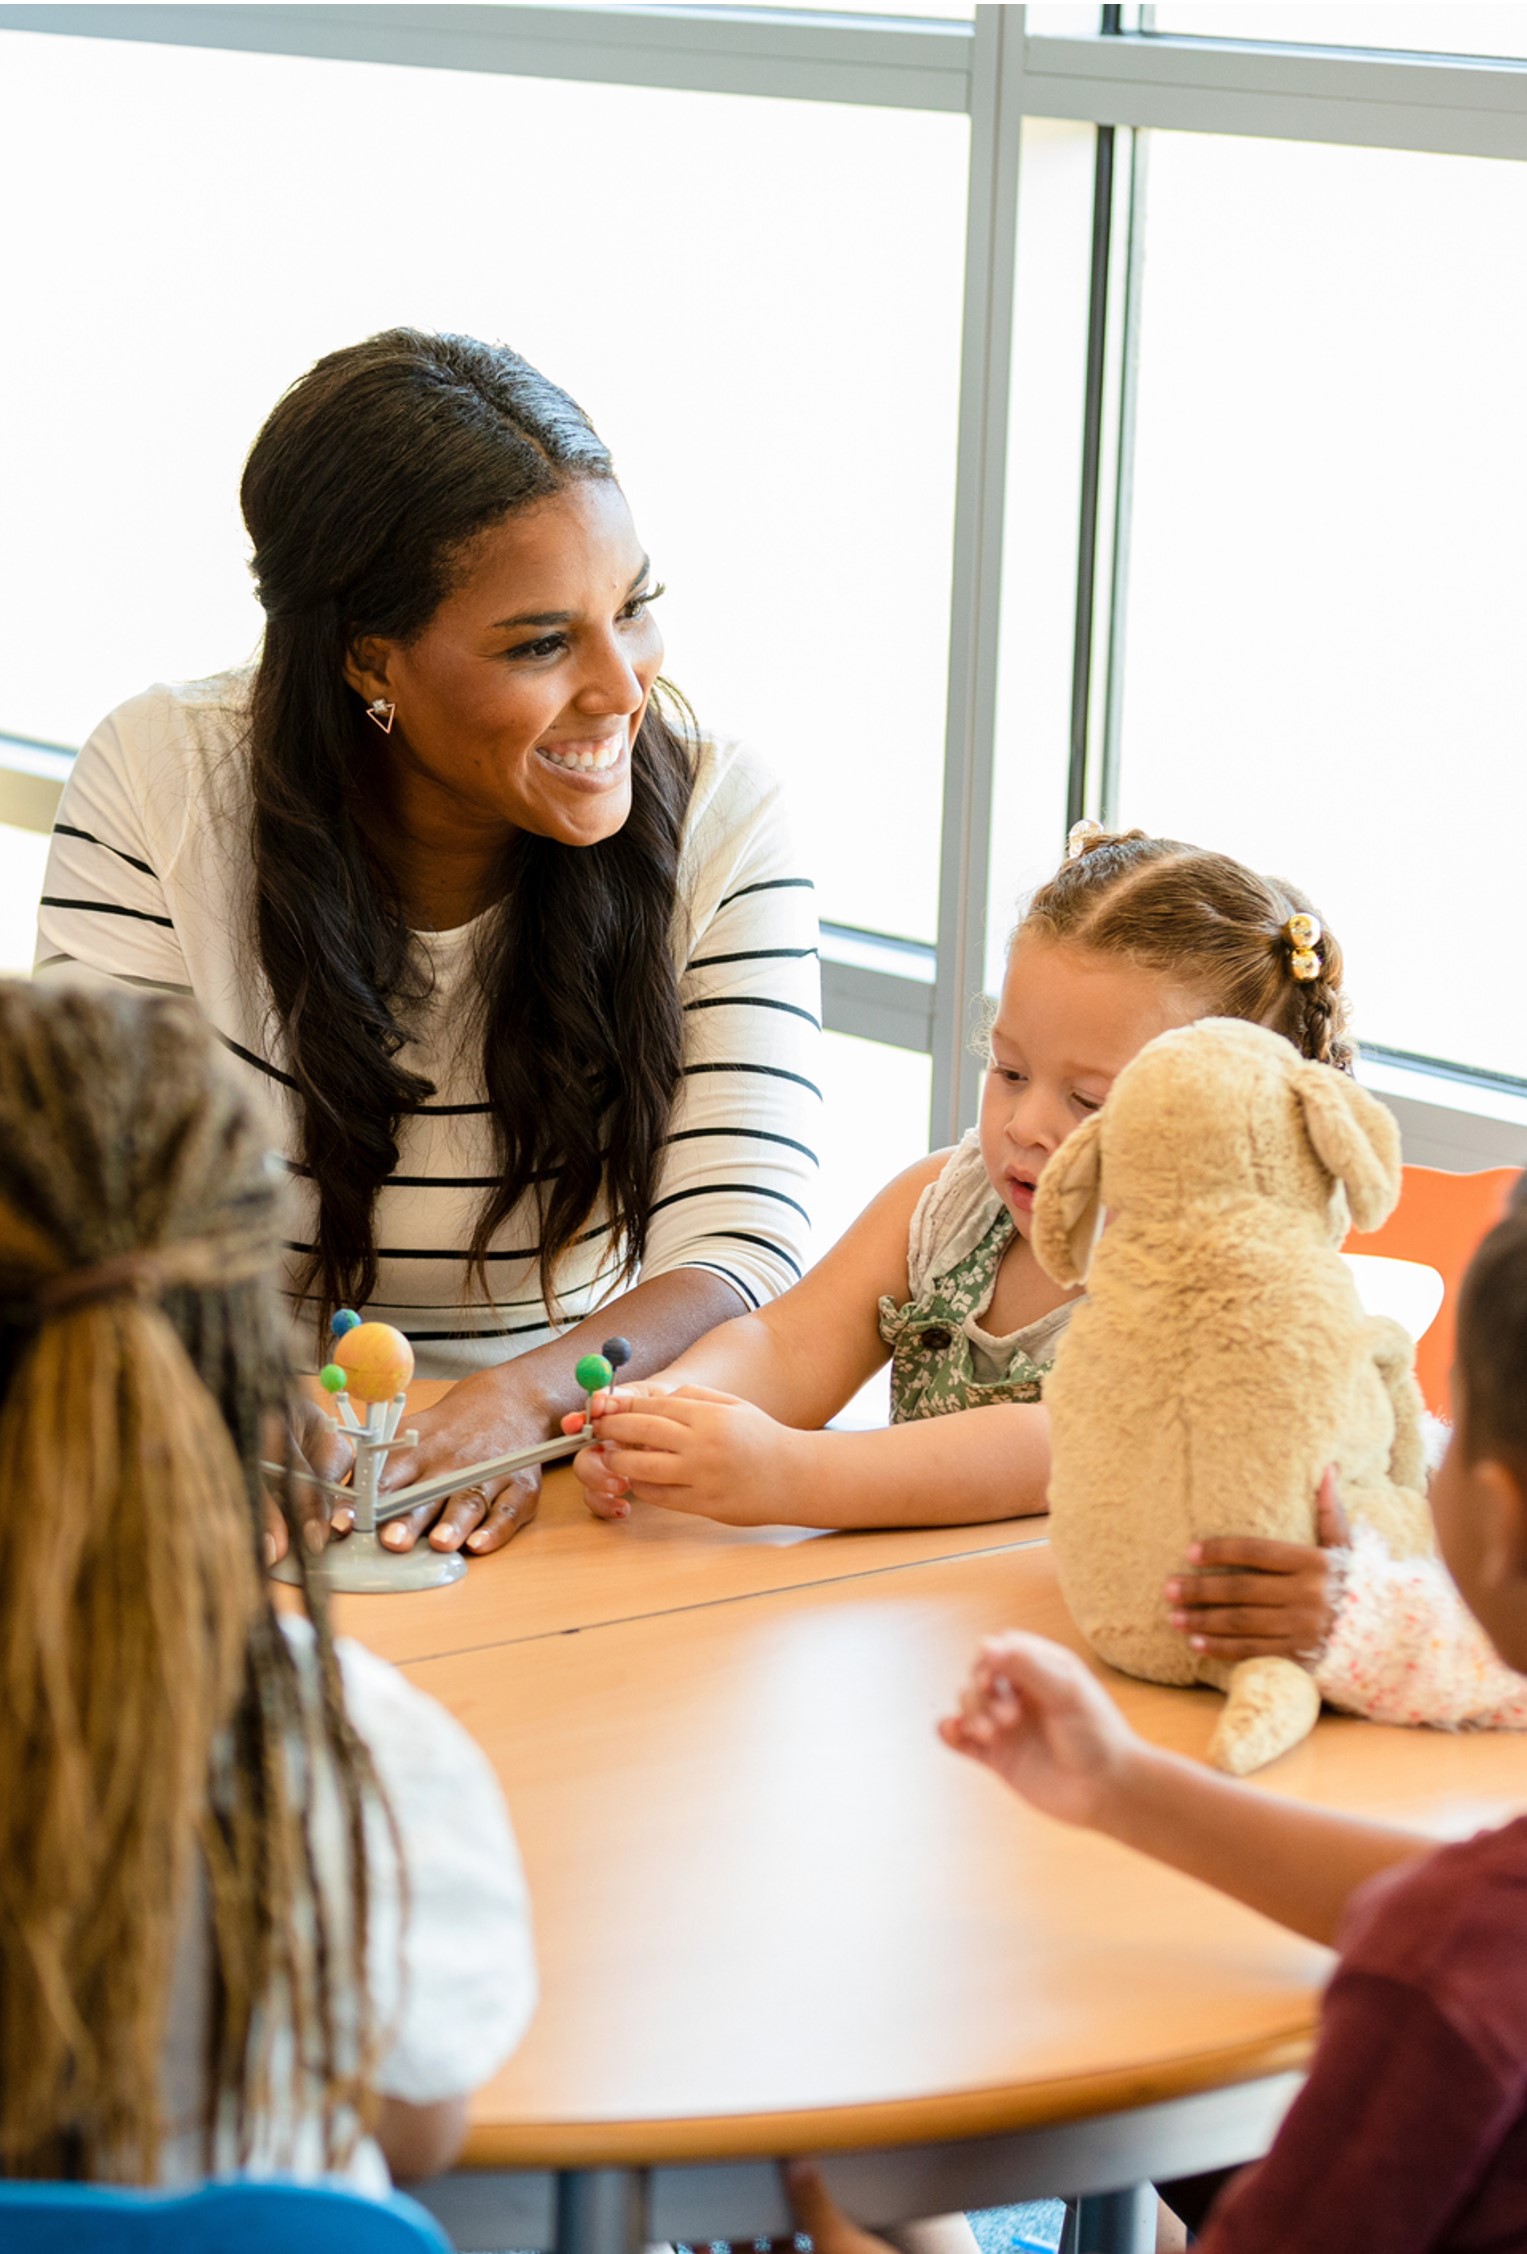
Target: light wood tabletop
[
  {"x": 570, "y": 1570},
  {"x": 774, "y": 1914}
]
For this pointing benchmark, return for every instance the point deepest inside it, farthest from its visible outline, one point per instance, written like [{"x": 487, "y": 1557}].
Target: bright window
[
  {"x": 757, "y": 300},
  {"x": 1456, "y": 27},
  {"x": 1327, "y": 577}
]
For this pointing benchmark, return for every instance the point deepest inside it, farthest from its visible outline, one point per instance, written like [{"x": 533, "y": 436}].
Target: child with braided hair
[
  {"x": 1132, "y": 936},
  {"x": 236, "y": 1859}
]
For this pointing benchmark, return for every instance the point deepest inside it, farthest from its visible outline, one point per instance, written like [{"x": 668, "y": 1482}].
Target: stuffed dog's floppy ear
[
  {"x": 1068, "y": 1205},
  {"x": 1354, "y": 1138}
]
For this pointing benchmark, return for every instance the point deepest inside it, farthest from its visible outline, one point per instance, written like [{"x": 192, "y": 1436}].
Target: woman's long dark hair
[{"x": 359, "y": 494}]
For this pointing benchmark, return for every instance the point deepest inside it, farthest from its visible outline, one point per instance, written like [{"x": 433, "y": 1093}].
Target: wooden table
[{"x": 775, "y": 1915}]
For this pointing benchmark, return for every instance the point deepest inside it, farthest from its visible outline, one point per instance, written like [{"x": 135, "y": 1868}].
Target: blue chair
[{"x": 219, "y": 2218}]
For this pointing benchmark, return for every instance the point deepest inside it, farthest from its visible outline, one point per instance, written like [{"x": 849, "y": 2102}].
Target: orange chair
[{"x": 1440, "y": 1219}]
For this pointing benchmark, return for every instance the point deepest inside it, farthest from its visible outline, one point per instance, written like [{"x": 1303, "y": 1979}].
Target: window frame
[{"x": 1122, "y": 79}]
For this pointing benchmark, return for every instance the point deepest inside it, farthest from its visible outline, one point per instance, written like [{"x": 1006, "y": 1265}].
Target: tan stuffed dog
[{"x": 1221, "y": 1359}]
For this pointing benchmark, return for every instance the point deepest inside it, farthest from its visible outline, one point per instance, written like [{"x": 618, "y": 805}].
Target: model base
[{"x": 358, "y": 1565}]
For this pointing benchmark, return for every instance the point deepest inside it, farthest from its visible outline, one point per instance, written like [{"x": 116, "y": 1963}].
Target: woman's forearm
[
  {"x": 958, "y": 1470},
  {"x": 658, "y": 1319},
  {"x": 1298, "y": 1865}
]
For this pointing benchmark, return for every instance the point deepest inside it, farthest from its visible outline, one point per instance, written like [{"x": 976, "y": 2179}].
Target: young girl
[
  {"x": 237, "y": 1863},
  {"x": 1133, "y": 935}
]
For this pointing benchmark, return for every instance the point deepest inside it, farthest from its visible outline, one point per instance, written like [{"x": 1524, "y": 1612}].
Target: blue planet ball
[{"x": 346, "y": 1320}]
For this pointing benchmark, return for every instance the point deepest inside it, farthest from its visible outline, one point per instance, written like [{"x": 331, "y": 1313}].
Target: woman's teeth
[{"x": 589, "y": 759}]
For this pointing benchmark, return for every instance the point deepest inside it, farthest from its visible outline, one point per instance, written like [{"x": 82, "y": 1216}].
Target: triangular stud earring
[{"x": 381, "y": 714}]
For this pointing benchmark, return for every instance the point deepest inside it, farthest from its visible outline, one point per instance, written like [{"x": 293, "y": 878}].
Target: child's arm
[
  {"x": 1386, "y": 1637},
  {"x": 1405, "y": 1648},
  {"x": 741, "y": 1442},
  {"x": 1035, "y": 1714},
  {"x": 719, "y": 1457},
  {"x": 806, "y": 1354},
  {"x": 419, "y": 2141}
]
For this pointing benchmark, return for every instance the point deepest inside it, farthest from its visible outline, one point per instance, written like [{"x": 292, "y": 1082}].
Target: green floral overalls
[{"x": 933, "y": 1354}]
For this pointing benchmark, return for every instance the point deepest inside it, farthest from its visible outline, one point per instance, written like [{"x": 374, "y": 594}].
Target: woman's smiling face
[{"x": 519, "y": 702}]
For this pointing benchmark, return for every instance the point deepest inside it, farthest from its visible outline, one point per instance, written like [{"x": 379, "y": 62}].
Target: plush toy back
[{"x": 1221, "y": 1359}]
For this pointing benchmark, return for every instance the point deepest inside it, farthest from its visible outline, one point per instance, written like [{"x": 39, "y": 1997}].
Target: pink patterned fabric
[{"x": 1404, "y": 1648}]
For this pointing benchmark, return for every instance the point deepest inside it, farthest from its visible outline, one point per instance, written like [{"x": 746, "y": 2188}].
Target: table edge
[{"x": 989, "y": 2111}]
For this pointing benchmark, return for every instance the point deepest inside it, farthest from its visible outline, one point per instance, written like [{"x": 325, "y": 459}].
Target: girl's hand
[
  {"x": 607, "y": 1496},
  {"x": 1250, "y": 1599},
  {"x": 487, "y": 1414},
  {"x": 1035, "y": 1714},
  {"x": 695, "y": 1450}
]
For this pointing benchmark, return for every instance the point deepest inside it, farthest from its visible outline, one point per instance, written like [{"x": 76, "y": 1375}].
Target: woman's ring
[{"x": 480, "y": 1492}]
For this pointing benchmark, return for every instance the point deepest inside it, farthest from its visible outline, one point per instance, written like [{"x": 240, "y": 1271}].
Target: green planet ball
[
  {"x": 593, "y": 1372},
  {"x": 332, "y": 1378}
]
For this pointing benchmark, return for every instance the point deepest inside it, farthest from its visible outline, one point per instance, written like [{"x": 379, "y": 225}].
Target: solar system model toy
[{"x": 372, "y": 1364}]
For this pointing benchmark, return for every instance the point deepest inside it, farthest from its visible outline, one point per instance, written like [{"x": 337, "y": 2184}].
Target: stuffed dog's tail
[{"x": 1271, "y": 1704}]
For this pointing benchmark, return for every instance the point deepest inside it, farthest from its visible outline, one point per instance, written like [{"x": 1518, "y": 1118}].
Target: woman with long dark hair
[{"x": 527, "y": 963}]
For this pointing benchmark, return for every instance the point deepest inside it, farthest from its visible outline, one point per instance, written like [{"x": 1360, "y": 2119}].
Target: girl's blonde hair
[
  {"x": 153, "y": 1719},
  {"x": 1213, "y": 924}
]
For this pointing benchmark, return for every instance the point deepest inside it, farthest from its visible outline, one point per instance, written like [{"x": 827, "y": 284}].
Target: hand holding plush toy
[{"x": 1221, "y": 1359}]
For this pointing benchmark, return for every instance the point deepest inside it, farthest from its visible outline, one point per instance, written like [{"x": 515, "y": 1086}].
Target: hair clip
[
  {"x": 1303, "y": 934},
  {"x": 1080, "y": 836}
]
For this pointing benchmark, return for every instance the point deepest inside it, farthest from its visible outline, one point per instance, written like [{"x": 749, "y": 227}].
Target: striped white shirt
[{"x": 150, "y": 881}]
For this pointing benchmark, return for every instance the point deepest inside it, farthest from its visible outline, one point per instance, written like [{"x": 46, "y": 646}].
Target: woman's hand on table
[
  {"x": 485, "y": 1415},
  {"x": 689, "y": 1449},
  {"x": 1243, "y": 1598},
  {"x": 1032, "y": 1712},
  {"x": 318, "y": 1445}
]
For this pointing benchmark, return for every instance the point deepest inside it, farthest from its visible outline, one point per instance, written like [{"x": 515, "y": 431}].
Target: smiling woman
[{"x": 527, "y": 962}]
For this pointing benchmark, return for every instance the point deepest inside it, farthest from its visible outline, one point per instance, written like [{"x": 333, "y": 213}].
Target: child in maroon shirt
[{"x": 1410, "y": 2135}]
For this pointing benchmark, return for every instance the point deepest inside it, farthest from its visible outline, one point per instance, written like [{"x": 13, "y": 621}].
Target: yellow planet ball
[{"x": 377, "y": 1360}]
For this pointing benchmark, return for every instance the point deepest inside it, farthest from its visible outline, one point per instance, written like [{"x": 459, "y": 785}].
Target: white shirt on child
[{"x": 452, "y": 1976}]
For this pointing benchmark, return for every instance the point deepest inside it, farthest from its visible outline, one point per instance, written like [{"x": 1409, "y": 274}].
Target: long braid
[{"x": 152, "y": 1702}]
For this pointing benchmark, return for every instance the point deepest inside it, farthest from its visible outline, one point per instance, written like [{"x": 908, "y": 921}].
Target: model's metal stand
[{"x": 357, "y": 1562}]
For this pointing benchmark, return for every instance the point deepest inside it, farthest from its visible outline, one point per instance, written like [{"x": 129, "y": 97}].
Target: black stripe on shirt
[
  {"x": 741, "y": 1236},
  {"x": 735, "y": 1189},
  {"x": 107, "y": 908},
  {"x": 513, "y": 1330},
  {"x": 270, "y": 1071},
  {"x": 748, "y": 1298},
  {"x": 755, "y": 955},
  {"x": 499, "y": 1306},
  {"x": 752, "y": 1134},
  {"x": 460, "y": 1181},
  {"x": 435, "y": 1111},
  {"x": 457, "y": 1252},
  {"x": 120, "y": 977},
  {"x": 67, "y": 829},
  {"x": 753, "y": 1002},
  {"x": 772, "y": 1071},
  {"x": 769, "y": 884}
]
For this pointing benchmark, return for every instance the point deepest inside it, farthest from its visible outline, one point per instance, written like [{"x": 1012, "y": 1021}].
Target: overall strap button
[{"x": 936, "y": 1338}]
